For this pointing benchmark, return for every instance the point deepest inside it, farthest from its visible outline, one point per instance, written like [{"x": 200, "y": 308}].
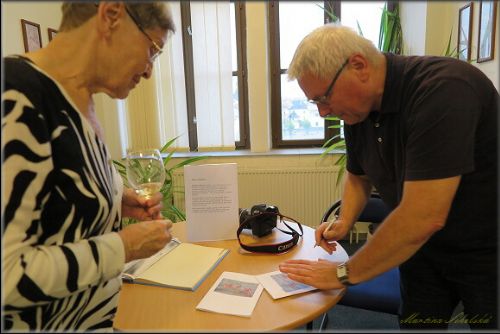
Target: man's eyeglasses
[
  {"x": 155, "y": 50},
  {"x": 324, "y": 99}
]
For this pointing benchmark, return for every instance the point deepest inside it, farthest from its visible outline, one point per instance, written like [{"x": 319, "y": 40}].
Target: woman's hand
[
  {"x": 141, "y": 208},
  {"x": 144, "y": 239}
]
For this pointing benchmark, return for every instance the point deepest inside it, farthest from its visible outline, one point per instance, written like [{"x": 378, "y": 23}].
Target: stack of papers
[
  {"x": 178, "y": 265},
  {"x": 237, "y": 294}
]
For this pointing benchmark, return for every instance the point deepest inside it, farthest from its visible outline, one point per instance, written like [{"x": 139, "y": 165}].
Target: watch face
[
  {"x": 341, "y": 270},
  {"x": 343, "y": 274}
]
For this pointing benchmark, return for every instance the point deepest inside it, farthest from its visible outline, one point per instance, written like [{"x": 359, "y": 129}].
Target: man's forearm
[
  {"x": 395, "y": 241},
  {"x": 422, "y": 212},
  {"x": 354, "y": 197}
]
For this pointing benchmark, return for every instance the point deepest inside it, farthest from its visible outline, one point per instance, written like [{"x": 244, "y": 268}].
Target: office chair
[{"x": 381, "y": 293}]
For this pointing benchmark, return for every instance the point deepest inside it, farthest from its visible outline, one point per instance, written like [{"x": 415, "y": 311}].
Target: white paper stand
[{"x": 211, "y": 193}]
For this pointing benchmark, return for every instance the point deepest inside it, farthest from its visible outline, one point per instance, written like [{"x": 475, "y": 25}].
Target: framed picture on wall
[
  {"x": 31, "y": 35},
  {"x": 464, "y": 31},
  {"x": 486, "y": 34},
  {"x": 52, "y": 33}
]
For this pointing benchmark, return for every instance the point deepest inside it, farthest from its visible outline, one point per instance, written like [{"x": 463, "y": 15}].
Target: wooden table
[{"x": 145, "y": 308}]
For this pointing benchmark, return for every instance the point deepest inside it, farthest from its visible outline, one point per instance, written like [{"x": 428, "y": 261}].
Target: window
[
  {"x": 295, "y": 122},
  {"x": 202, "y": 85},
  {"x": 215, "y": 79}
]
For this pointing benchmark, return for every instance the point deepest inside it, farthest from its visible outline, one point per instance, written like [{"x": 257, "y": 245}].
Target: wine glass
[{"x": 145, "y": 171}]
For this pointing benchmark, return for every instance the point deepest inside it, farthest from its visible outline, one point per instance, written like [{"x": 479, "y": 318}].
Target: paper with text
[
  {"x": 278, "y": 285},
  {"x": 232, "y": 293},
  {"x": 211, "y": 193}
]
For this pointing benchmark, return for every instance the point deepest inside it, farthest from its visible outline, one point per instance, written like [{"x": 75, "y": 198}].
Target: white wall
[
  {"x": 259, "y": 90},
  {"x": 427, "y": 26},
  {"x": 413, "y": 23},
  {"x": 46, "y": 14}
]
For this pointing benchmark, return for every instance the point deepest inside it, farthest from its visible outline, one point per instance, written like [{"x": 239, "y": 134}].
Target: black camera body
[{"x": 264, "y": 219}]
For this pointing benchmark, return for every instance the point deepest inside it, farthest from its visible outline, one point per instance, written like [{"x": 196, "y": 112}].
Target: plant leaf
[
  {"x": 168, "y": 144},
  {"x": 188, "y": 161},
  {"x": 169, "y": 210}
]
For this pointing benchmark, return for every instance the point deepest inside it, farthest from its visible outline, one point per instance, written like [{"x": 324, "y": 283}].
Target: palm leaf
[
  {"x": 188, "y": 161},
  {"x": 329, "y": 12}
]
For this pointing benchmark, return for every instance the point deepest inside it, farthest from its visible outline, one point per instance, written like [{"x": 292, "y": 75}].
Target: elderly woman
[{"x": 63, "y": 245}]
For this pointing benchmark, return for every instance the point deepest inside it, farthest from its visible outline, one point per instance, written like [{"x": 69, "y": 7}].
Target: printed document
[
  {"x": 211, "y": 193},
  {"x": 178, "y": 265},
  {"x": 232, "y": 293},
  {"x": 278, "y": 285}
]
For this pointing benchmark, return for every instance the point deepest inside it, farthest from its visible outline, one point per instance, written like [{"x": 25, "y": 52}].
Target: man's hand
[
  {"x": 325, "y": 238},
  {"x": 321, "y": 274}
]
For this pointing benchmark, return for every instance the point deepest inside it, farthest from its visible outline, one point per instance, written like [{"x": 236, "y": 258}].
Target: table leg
[{"x": 324, "y": 322}]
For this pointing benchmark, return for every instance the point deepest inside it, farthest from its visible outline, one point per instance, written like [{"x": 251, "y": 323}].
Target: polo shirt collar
[{"x": 391, "y": 99}]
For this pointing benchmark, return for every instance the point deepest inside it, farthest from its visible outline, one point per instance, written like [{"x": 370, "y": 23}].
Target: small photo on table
[
  {"x": 236, "y": 288},
  {"x": 278, "y": 285},
  {"x": 287, "y": 284}
]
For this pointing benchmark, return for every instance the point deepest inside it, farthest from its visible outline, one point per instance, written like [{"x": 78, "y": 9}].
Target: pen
[{"x": 326, "y": 230}]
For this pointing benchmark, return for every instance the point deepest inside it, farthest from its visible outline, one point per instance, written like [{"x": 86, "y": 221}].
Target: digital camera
[{"x": 264, "y": 219}]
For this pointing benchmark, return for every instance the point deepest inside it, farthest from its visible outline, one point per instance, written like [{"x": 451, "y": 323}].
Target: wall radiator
[{"x": 300, "y": 193}]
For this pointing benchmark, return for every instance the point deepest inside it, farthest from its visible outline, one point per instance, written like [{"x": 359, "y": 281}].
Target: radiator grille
[{"x": 301, "y": 193}]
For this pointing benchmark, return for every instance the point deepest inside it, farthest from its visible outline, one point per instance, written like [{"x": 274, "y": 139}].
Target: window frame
[
  {"x": 277, "y": 71},
  {"x": 187, "y": 52},
  {"x": 241, "y": 73}
]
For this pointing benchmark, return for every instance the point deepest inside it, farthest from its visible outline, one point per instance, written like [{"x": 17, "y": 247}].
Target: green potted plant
[{"x": 170, "y": 210}]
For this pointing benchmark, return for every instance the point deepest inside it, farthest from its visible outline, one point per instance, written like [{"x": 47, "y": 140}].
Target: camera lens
[{"x": 244, "y": 214}]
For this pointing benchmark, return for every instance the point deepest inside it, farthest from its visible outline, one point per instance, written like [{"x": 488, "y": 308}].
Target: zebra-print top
[{"x": 61, "y": 205}]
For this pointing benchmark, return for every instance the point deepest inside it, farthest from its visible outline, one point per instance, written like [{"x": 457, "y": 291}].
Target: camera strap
[{"x": 274, "y": 248}]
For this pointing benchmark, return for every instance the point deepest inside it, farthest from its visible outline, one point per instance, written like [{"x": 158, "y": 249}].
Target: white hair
[{"x": 325, "y": 49}]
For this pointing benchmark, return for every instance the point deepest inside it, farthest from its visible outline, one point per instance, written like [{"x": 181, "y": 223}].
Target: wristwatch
[{"x": 343, "y": 274}]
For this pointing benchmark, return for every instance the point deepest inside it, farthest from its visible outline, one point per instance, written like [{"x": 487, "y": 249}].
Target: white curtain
[
  {"x": 211, "y": 38},
  {"x": 211, "y": 28},
  {"x": 171, "y": 88}
]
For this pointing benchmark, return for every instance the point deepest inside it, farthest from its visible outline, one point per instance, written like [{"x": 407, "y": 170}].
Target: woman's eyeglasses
[{"x": 155, "y": 50}]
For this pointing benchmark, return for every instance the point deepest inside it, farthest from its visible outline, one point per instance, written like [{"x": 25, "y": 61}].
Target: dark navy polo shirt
[{"x": 438, "y": 119}]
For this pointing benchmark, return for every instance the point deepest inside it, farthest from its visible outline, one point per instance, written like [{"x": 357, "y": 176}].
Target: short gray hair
[
  {"x": 153, "y": 15},
  {"x": 150, "y": 14},
  {"x": 325, "y": 49}
]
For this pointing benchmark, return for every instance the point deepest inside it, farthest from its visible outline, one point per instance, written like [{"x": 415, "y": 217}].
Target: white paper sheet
[
  {"x": 232, "y": 293},
  {"x": 211, "y": 193},
  {"x": 278, "y": 285}
]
